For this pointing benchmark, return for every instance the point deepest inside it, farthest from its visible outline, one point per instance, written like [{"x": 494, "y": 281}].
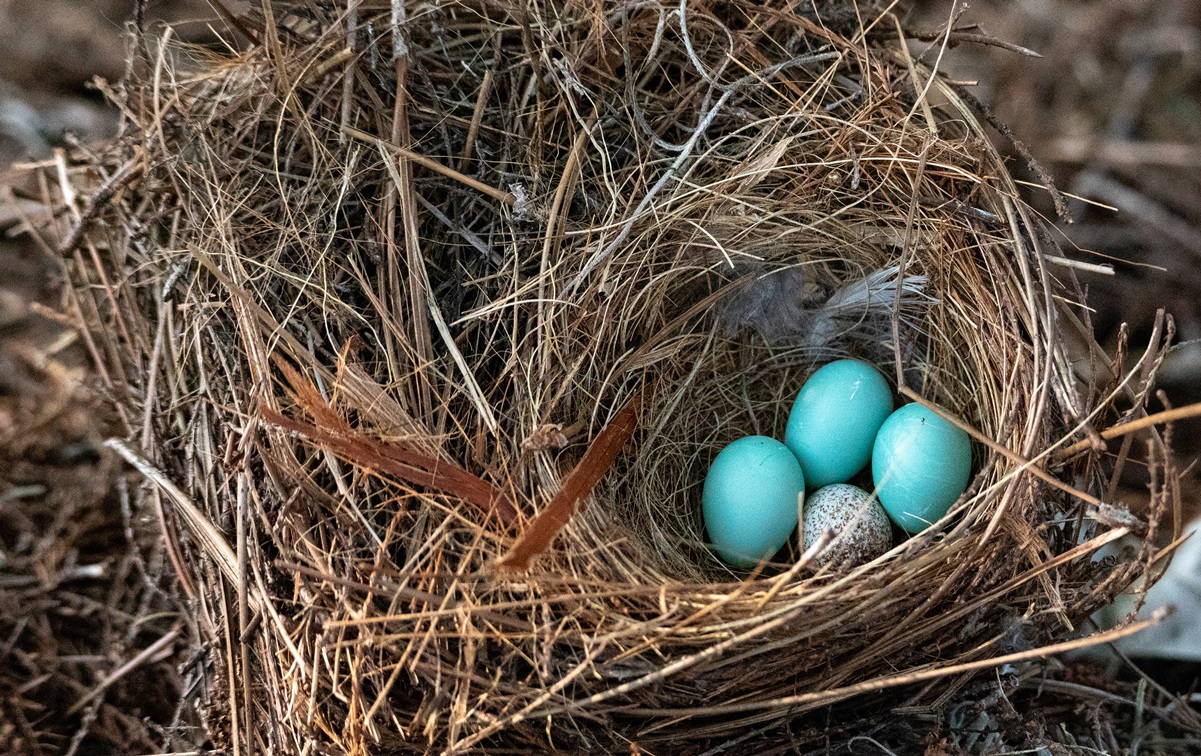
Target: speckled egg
[
  {"x": 750, "y": 499},
  {"x": 860, "y": 525},
  {"x": 920, "y": 464},
  {"x": 834, "y": 420}
]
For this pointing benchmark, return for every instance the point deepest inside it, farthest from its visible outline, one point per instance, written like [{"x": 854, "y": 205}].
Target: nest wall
[{"x": 371, "y": 291}]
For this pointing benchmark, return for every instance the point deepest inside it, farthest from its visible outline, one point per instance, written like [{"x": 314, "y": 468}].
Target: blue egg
[
  {"x": 920, "y": 464},
  {"x": 834, "y": 421},
  {"x": 750, "y": 499}
]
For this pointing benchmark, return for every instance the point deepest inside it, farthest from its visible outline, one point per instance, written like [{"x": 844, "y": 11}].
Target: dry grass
[{"x": 362, "y": 341}]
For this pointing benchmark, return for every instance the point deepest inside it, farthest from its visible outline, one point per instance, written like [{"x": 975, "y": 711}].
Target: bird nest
[{"x": 426, "y": 323}]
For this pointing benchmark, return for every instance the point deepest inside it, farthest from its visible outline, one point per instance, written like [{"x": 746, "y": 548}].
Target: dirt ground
[{"x": 94, "y": 655}]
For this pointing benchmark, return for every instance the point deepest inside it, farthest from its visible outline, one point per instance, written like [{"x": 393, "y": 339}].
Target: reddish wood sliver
[
  {"x": 579, "y": 484},
  {"x": 403, "y": 463}
]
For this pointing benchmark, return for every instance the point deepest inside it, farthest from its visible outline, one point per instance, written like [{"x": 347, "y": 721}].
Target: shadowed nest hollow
[{"x": 426, "y": 323}]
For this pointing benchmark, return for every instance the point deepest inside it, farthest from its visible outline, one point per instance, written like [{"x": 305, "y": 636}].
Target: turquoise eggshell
[
  {"x": 920, "y": 464},
  {"x": 750, "y": 499},
  {"x": 834, "y": 421}
]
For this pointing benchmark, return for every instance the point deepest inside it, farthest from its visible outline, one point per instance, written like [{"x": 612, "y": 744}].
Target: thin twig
[
  {"x": 955, "y": 37},
  {"x": 1044, "y": 176},
  {"x": 146, "y": 654},
  {"x": 506, "y": 197},
  {"x": 1159, "y": 418}
]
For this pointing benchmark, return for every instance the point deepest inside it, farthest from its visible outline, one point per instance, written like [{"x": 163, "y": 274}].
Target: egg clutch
[{"x": 842, "y": 419}]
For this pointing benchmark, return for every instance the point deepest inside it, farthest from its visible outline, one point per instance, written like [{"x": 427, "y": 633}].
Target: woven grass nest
[{"x": 426, "y": 323}]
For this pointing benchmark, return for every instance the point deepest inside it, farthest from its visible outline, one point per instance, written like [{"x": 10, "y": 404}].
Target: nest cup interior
[
  {"x": 521, "y": 218},
  {"x": 780, "y": 275},
  {"x": 737, "y": 373}
]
